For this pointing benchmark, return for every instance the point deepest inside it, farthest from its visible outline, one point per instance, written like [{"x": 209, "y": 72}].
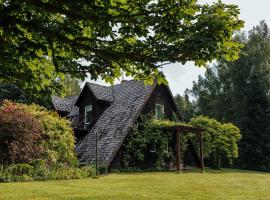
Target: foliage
[
  {"x": 58, "y": 137},
  {"x": 38, "y": 171},
  {"x": 220, "y": 140},
  {"x": 185, "y": 106},
  {"x": 12, "y": 93},
  {"x": 167, "y": 123},
  {"x": 50, "y": 135},
  {"x": 239, "y": 92},
  {"x": 71, "y": 86},
  {"x": 36, "y": 144},
  {"x": 144, "y": 134},
  {"x": 42, "y": 39},
  {"x": 20, "y": 135}
]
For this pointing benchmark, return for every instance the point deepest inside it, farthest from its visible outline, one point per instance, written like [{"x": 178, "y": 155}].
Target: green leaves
[
  {"x": 136, "y": 36},
  {"x": 220, "y": 140},
  {"x": 144, "y": 134},
  {"x": 87, "y": 32}
]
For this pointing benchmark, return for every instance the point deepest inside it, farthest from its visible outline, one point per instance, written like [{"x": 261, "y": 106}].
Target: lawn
[{"x": 218, "y": 185}]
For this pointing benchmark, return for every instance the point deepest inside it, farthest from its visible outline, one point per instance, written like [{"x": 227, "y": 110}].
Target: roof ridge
[
  {"x": 87, "y": 82},
  {"x": 108, "y": 86}
]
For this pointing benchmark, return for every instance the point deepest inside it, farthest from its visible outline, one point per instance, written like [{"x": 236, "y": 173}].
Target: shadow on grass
[{"x": 194, "y": 170}]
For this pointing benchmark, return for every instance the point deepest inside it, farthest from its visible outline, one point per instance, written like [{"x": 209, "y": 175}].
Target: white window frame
[
  {"x": 156, "y": 112},
  {"x": 90, "y": 107}
]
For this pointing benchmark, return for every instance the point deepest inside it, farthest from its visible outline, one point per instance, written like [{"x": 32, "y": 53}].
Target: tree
[
  {"x": 238, "y": 92},
  {"x": 71, "y": 86},
  {"x": 220, "y": 140},
  {"x": 42, "y": 39},
  {"x": 186, "y": 107},
  {"x": 12, "y": 92}
]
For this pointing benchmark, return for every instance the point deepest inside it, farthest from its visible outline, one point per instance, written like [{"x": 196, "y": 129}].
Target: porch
[{"x": 179, "y": 130}]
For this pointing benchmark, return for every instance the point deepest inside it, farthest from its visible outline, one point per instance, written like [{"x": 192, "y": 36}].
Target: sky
[{"x": 181, "y": 76}]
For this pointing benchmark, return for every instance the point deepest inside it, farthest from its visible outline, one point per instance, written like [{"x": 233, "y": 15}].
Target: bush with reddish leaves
[{"x": 20, "y": 135}]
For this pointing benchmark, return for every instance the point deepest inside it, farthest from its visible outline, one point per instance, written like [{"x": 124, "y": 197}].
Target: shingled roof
[
  {"x": 114, "y": 124},
  {"x": 64, "y": 104},
  {"x": 101, "y": 92}
]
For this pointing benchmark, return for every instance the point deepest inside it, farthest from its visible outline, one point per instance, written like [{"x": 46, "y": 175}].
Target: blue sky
[{"x": 181, "y": 76}]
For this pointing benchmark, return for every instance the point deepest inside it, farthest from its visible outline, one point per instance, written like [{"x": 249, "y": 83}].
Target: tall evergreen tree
[
  {"x": 239, "y": 92},
  {"x": 186, "y": 107}
]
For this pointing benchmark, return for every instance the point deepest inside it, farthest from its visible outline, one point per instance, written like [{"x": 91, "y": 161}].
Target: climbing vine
[{"x": 145, "y": 135}]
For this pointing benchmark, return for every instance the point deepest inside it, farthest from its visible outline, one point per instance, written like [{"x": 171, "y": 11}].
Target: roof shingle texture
[
  {"x": 101, "y": 92},
  {"x": 113, "y": 125},
  {"x": 65, "y": 104}
]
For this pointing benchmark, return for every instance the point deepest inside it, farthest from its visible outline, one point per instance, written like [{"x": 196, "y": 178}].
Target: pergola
[{"x": 178, "y": 129}]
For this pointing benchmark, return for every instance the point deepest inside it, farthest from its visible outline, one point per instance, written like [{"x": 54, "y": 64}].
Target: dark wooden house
[{"x": 103, "y": 116}]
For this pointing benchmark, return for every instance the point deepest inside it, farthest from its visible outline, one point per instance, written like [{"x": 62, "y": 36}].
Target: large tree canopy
[
  {"x": 41, "y": 39},
  {"x": 239, "y": 92}
]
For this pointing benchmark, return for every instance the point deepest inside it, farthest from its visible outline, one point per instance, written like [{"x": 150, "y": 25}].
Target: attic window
[
  {"x": 159, "y": 111},
  {"x": 88, "y": 114}
]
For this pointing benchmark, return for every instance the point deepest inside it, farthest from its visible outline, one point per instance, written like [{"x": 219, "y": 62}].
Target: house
[{"x": 102, "y": 117}]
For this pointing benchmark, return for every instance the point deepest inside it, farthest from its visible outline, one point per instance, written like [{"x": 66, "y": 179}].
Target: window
[
  {"x": 153, "y": 148},
  {"x": 167, "y": 145},
  {"x": 159, "y": 111},
  {"x": 88, "y": 112}
]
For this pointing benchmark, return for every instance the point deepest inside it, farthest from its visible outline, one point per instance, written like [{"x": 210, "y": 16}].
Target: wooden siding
[{"x": 160, "y": 96}]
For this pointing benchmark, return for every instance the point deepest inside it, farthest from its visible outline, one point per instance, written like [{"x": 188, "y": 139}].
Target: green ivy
[{"x": 144, "y": 134}]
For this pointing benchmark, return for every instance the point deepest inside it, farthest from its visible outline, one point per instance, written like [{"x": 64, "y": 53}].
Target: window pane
[
  {"x": 159, "y": 111},
  {"x": 88, "y": 114}
]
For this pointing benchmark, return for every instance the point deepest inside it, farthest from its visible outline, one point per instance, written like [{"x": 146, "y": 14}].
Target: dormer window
[
  {"x": 159, "y": 111},
  {"x": 88, "y": 114}
]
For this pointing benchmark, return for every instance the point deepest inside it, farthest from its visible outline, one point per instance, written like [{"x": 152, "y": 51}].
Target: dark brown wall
[
  {"x": 86, "y": 99},
  {"x": 160, "y": 96}
]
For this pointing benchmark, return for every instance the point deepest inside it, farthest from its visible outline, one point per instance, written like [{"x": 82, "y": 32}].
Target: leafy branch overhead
[{"x": 41, "y": 39}]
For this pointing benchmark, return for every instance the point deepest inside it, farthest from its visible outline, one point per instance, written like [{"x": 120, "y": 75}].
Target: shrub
[
  {"x": 12, "y": 92},
  {"x": 36, "y": 144},
  {"x": 37, "y": 171},
  {"x": 20, "y": 135},
  {"x": 30, "y": 132},
  {"x": 220, "y": 140},
  {"x": 58, "y": 137}
]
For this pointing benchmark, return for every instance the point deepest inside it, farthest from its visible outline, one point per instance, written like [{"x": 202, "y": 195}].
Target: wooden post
[
  {"x": 178, "y": 150},
  {"x": 96, "y": 153},
  {"x": 201, "y": 152}
]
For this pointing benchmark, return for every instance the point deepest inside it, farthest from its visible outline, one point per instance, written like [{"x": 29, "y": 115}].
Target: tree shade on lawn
[{"x": 212, "y": 185}]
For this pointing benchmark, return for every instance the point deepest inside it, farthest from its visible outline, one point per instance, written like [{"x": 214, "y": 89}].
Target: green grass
[{"x": 218, "y": 185}]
